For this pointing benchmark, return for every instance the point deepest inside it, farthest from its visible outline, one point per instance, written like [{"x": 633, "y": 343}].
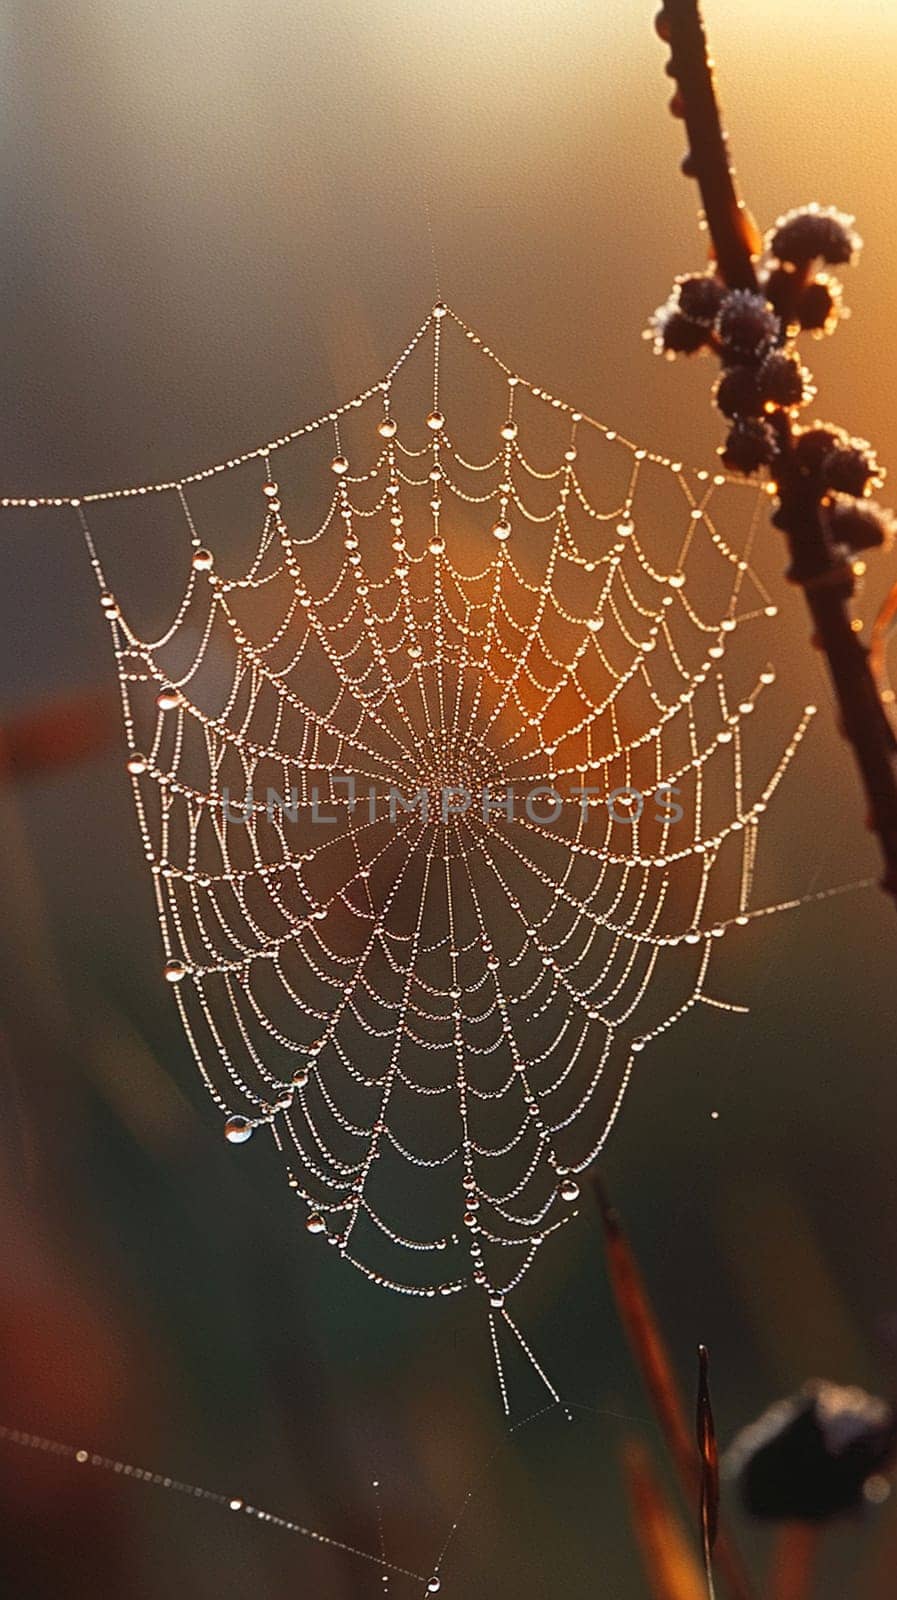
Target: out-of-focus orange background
[{"x": 215, "y": 226}]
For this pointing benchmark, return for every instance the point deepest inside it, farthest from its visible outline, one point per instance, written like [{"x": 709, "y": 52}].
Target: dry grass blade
[
  {"x": 709, "y": 1466},
  {"x": 794, "y": 1562},
  {"x": 646, "y": 1343},
  {"x": 669, "y": 1562},
  {"x": 58, "y": 733},
  {"x": 649, "y": 1349}
]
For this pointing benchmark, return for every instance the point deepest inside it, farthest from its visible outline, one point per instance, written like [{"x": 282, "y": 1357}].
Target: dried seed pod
[
  {"x": 815, "y": 233},
  {"x": 851, "y": 468},
  {"x": 783, "y": 380},
  {"x": 779, "y": 287},
  {"x": 683, "y": 337},
  {"x": 859, "y": 524},
  {"x": 751, "y": 444},
  {"x": 747, "y": 326},
  {"x": 701, "y": 296},
  {"x": 814, "y": 444},
  {"x": 809, "y": 1457},
  {"x": 675, "y": 334},
  {"x": 819, "y": 306},
  {"x": 738, "y": 393}
]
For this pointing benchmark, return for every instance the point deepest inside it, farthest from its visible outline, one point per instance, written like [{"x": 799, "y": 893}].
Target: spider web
[{"x": 399, "y": 935}]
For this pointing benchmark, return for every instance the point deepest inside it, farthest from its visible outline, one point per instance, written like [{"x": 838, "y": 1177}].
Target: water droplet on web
[{"x": 237, "y": 1130}]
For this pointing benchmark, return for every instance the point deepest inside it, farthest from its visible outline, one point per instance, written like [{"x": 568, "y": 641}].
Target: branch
[
  {"x": 735, "y": 236},
  {"x": 809, "y": 468}
]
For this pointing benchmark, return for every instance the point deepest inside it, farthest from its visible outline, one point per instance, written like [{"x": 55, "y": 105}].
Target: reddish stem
[{"x": 733, "y": 232}]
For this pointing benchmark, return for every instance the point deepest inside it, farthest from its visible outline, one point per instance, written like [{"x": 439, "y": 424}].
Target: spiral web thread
[{"x": 436, "y": 1012}]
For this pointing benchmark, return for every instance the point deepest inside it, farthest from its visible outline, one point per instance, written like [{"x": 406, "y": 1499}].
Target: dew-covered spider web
[{"x": 446, "y": 774}]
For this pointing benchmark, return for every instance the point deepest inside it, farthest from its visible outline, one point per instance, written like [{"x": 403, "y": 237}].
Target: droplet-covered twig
[{"x": 748, "y": 310}]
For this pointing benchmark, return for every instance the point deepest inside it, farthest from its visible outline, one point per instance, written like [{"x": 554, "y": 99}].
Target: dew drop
[{"x": 237, "y": 1130}]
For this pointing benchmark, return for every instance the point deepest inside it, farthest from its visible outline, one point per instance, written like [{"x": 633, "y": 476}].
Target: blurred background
[{"x": 214, "y": 226}]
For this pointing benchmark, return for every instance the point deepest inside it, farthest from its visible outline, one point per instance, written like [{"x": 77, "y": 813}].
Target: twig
[
  {"x": 819, "y": 565},
  {"x": 736, "y": 238}
]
